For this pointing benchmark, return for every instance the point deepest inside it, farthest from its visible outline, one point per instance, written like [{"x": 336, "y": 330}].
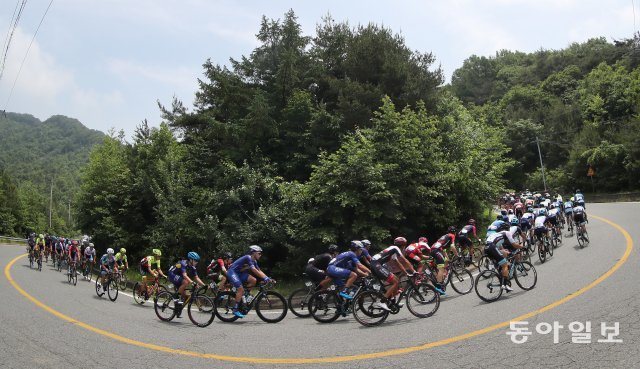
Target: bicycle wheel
[
  {"x": 366, "y": 309},
  {"x": 74, "y": 276},
  {"x": 542, "y": 253},
  {"x": 122, "y": 281},
  {"x": 488, "y": 286},
  {"x": 271, "y": 306},
  {"x": 461, "y": 281},
  {"x": 298, "y": 302},
  {"x": 201, "y": 310},
  {"x": 112, "y": 289},
  {"x": 525, "y": 275},
  {"x": 423, "y": 301},
  {"x": 485, "y": 263},
  {"x": 325, "y": 306},
  {"x": 585, "y": 236},
  {"x": 224, "y": 306},
  {"x": 138, "y": 295},
  {"x": 39, "y": 264},
  {"x": 476, "y": 255},
  {"x": 550, "y": 247},
  {"x": 99, "y": 290},
  {"x": 164, "y": 306},
  {"x": 532, "y": 245}
]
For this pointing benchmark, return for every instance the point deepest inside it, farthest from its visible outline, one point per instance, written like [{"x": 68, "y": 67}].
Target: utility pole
[
  {"x": 544, "y": 181},
  {"x": 50, "y": 203},
  {"x": 69, "y": 218}
]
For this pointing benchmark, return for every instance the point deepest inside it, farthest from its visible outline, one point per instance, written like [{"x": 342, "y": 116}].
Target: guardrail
[
  {"x": 612, "y": 197},
  {"x": 7, "y": 239}
]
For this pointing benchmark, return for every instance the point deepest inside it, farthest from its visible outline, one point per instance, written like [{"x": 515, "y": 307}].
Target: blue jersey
[
  {"x": 183, "y": 267},
  {"x": 365, "y": 255},
  {"x": 345, "y": 260},
  {"x": 243, "y": 264},
  {"x": 108, "y": 261}
]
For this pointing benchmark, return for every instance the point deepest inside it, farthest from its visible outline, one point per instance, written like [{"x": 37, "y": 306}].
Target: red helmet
[
  {"x": 400, "y": 241},
  {"x": 74, "y": 242},
  {"x": 423, "y": 239}
]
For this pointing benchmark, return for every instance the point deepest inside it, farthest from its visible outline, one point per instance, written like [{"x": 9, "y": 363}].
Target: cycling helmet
[
  {"x": 552, "y": 205},
  {"x": 109, "y": 251},
  {"x": 572, "y": 199},
  {"x": 510, "y": 211},
  {"x": 157, "y": 252},
  {"x": 74, "y": 242},
  {"x": 423, "y": 239},
  {"x": 515, "y": 221},
  {"x": 91, "y": 245},
  {"x": 542, "y": 211},
  {"x": 499, "y": 217},
  {"x": 41, "y": 235},
  {"x": 333, "y": 248},
  {"x": 355, "y": 245},
  {"x": 529, "y": 209},
  {"x": 193, "y": 256},
  {"x": 400, "y": 241},
  {"x": 503, "y": 227},
  {"x": 122, "y": 250},
  {"x": 254, "y": 248},
  {"x": 578, "y": 191},
  {"x": 227, "y": 255},
  {"x": 451, "y": 229},
  {"x": 472, "y": 221},
  {"x": 366, "y": 243},
  {"x": 311, "y": 260},
  {"x": 503, "y": 212}
]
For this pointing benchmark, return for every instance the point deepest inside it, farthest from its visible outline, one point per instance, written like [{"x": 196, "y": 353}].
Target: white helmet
[
  {"x": 255, "y": 248},
  {"x": 110, "y": 251},
  {"x": 91, "y": 244}
]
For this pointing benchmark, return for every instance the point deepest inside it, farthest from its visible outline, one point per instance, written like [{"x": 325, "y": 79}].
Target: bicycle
[
  {"x": 582, "y": 236},
  {"x": 488, "y": 284},
  {"x": 298, "y": 300},
  {"x": 570, "y": 227},
  {"x": 544, "y": 247},
  {"x": 39, "y": 259},
  {"x": 201, "y": 309},
  {"x": 72, "y": 275},
  {"x": 556, "y": 236},
  {"x": 456, "y": 278},
  {"x": 266, "y": 302},
  {"x": 87, "y": 270},
  {"x": 109, "y": 286},
  {"x": 31, "y": 258},
  {"x": 142, "y": 295},
  {"x": 421, "y": 298},
  {"x": 328, "y": 305},
  {"x": 121, "y": 279}
]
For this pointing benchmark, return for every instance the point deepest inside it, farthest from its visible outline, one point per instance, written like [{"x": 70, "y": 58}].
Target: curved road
[{"x": 464, "y": 333}]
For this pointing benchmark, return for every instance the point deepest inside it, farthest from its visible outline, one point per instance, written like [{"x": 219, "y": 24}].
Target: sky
[{"x": 107, "y": 63}]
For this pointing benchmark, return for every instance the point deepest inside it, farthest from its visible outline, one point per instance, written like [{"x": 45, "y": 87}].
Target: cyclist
[
  {"x": 552, "y": 217},
  {"x": 89, "y": 256},
  {"x": 107, "y": 265},
  {"x": 121, "y": 259},
  {"x": 316, "y": 268},
  {"x": 365, "y": 258},
  {"x": 568, "y": 210},
  {"x": 146, "y": 267},
  {"x": 463, "y": 239},
  {"x": 347, "y": 267},
  {"x": 32, "y": 244},
  {"x": 47, "y": 246},
  {"x": 510, "y": 215},
  {"x": 379, "y": 261},
  {"x": 440, "y": 257},
  {"x": 504, "y": 215},
  {"x": 59, "y": 248},
  {"x": 40, "y": 244},
  {"x": 515, "y": 229},
  {"x": 579, "y": 199},
  {"x": 182, "y": 274},
  {"x": 526, "y": 222},
  {"x": 418, "y": 253},
  {"x": 244, "y": 271},
  {"x": 497, "y": 248},
  {"x": 73, "y": 254},
  {"x": 540, "y": 225},
  {"x": 580, "y": 218},
  {"x": 217, "y": 269}
]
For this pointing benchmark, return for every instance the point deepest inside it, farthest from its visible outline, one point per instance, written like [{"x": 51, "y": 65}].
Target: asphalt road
[{"x": 70, "y": 326}]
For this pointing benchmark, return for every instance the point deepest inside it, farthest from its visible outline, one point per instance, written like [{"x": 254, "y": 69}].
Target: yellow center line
[{"x": 373, "y": 355}]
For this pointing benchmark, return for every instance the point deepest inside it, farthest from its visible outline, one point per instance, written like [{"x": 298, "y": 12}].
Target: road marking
[{"x": 373, "y": 355}]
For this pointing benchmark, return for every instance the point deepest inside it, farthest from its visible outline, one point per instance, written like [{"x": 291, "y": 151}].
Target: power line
[
  {"x": 27, "y": 53},
  {"x": 10, "y": 35}
]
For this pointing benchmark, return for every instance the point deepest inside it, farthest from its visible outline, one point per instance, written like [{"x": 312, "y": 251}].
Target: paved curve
[{"x": 33, "y": 337}]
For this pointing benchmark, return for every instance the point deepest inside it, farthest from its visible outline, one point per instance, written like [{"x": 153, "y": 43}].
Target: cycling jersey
[
  {"x": 468, "y": 229},
  {"x": 501, "y": 239},
  {"x": 346, "y": 260},
  {"x": 107, "y": 261},
  {"x": 148, "y": 262},
  {"x": 540, "y": 221},
  {"x": 390, "y": 253},
  {"x": 243, "y": 264},
  {"x": 121, "y": 258},
  {"x": 322, "y": 261},
  {"x": 316, "y": 269},
  {"x": 568, "y": 207},
  {"x": 89, "y": 253},
  {"x": 216, "y": 266},
  {"x": 445, "y": 241},
  {"x": 415, "y": 251},
  {"x": 579, "y": 197},
  {"x": 579, "y": 215},
  {"x": 177, "y": 270}
]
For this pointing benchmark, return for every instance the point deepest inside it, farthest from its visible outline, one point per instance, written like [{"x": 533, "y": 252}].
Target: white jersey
[
  {"x": 499, "y": 238},
  {"x": 528, "y": 216},
  {"x": 513, "y": 230},
  {"x": 554, "y": 212},
  {"x": 89, "y": 252},
  {"x": 540, "y": 220}
]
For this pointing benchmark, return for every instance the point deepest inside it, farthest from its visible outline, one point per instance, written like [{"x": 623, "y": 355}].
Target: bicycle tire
[
  {"x": 424, "y": 296},
  {"x": 112, "y": 289},
  {"x": 122, "y": 281},
  {"x": 164, "y": 306},
  {"x": 325, "y": 306},
  {"x": 461, "y": 281},
  {"x": 551, "y": 248},
  {"x": 225, "y": 300},
  {"x": 74, "y": 276},
  {"x": 487, "y": 286},
  {"x": 298, "y": 302},
  {"x": 364, "y": 310},
  {"x": 484, "y": 263},
  {"x": 39, "y": 264},
  {"x": 138, "y": 296},
  {"x": 201, "y": 310},
  {"x": 542, "y": 254},
  {"x": 476, "y": 255},
  {"x": 271, "y": 301},
  {"x": 524, "y": 270},
  {"x": 99, "y": 289}
]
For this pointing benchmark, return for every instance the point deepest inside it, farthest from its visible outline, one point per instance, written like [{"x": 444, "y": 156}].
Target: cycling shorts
[
  {"x": 525, "y": 225},
  {"x": 464, "y": 240},
  {"x": 495, "y": 254},
  {"x": 381, "y": 271},
  {"x": 175, "y": 279},
  {"x": 337, "y": 272},
  {"x": 438, "y": 257},
  {"x": 315, "y": 274},
  {"x": 579, "y": 219},
  {"x": 553, "y": 221},
  {"x": 237, "y": 279},
  {"x": 540, "y": 231}
]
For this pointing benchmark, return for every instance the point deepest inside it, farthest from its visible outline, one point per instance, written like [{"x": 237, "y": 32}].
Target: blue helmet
[
  {"x": 515, "y": 221},
  {"x": 193, "y": 256}
]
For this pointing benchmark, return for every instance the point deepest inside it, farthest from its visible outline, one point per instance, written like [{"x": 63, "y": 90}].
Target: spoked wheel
[
  {"x": 99, "y": 290},
  {"x": 476, "y": 255},
  {"x": 542, "y": 254},
  {"x": 423, "y": 301},
  {"x": 165, "y": 306},
  {"x": 367, "y": 310},
  {"x": 488, "y": 286},
  {"x": 224, "y": 306},
  {"x": 201, "y": 310},
  {"x": 74, "y": 276},
  {"x": 112, "y": 290},
  {"x": 298, "y": 302},
  {"x": 138, "y": 293},
  {"x": 532, "y": 245},
  {"x": 122, "y": 281},
  {"x": 39, "y": 264},
  {"x": 550, "y": 247},
  {"x": 485, "y": 263},
  {"x": 271, "y": 306},
  {"x": 525, "y": 275},
  {"x": 461, "y": 281},
  {"x": 325, "y": 306}
]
